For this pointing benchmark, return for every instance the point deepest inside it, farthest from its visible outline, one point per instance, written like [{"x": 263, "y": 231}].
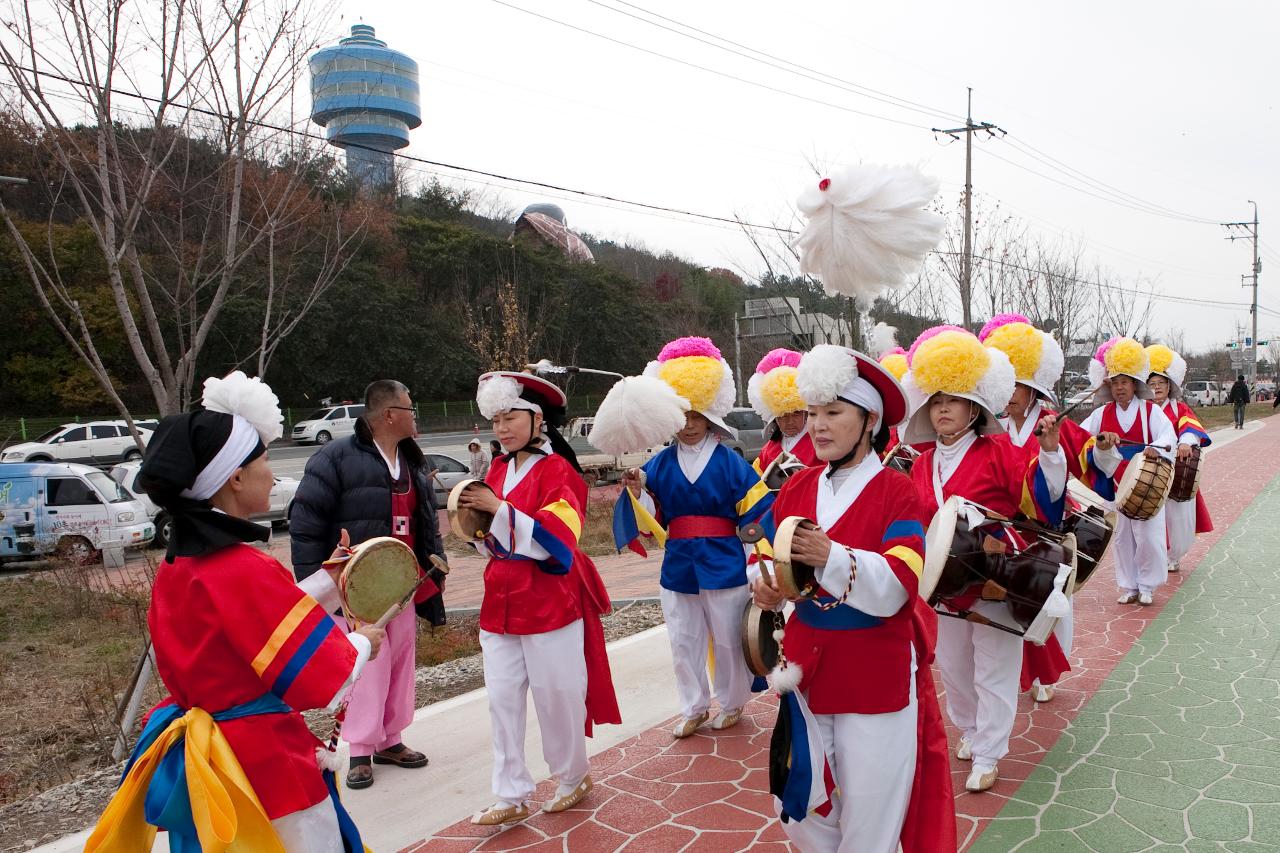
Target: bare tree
[{"x": 161, "y": 180}]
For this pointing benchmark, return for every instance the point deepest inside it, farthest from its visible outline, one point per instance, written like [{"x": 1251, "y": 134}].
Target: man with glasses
[{"x": 376, "y": 482}]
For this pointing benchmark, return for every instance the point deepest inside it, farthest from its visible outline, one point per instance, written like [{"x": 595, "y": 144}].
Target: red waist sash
[{"x": 695, "y": 526}]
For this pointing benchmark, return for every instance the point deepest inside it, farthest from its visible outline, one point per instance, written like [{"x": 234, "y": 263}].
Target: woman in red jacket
[
  {"x": 540, "y": 625},
  {"x": 856, "y": 687},
  {"x": 962, "y": 384}
]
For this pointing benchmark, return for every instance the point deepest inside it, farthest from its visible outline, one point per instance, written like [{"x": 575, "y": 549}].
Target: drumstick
[
  {"x": 1127, "y": 443},
  {"x": 1077, "y": 404}
]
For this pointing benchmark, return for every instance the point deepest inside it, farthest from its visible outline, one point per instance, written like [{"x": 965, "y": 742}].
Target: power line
[
  {"x": 705, "y": 68},
  {"x": 777, "y": 61}
]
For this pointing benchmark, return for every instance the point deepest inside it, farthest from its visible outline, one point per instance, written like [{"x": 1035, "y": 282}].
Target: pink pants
[{"x": 382, "y": 699}]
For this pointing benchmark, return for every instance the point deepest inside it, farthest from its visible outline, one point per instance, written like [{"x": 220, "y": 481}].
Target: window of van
[
  {"x": 338, "y": 413},
  {"x": 77, "y": 434},
  {"x": 105, "y": 431},
  {"x": 70, "y": 491},
  {"x": 355, "y": 411}
]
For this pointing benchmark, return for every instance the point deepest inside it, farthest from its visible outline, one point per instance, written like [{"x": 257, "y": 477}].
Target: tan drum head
[
  {"x": 380, "y": 573},
  {"x": 937, "y": 544},
  {"x": 470, "y": 525},
  {"x": 793, "y": 578}
]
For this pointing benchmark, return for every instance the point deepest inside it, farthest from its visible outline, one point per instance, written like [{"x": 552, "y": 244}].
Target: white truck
[{"x": 598, "y": 467}]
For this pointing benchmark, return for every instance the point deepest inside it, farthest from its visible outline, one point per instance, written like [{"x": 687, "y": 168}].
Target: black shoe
[{"x": 360, "y": 775}]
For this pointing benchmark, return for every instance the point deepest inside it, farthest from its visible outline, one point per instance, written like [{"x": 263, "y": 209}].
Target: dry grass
[
  {"x": 67, "y": 654},
  {"x": 1220, "y": 416},
  {"x": 457, "y": 639}
]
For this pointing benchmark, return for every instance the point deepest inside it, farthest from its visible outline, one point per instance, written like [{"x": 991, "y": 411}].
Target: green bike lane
[{"x": 1179, "y": 747}]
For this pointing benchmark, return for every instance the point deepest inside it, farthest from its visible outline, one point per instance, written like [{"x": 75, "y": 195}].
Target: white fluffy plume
[
  {"x": 497, "y": 394},
  {"x": 996, "y": 385},
  {"x": 1097, "y": 373},
  {"x": 883, "y": 338},
  {"x": 785, "y": 679},
  {"x": 727, "y": 395},
  {"x": 824, "y": 372},
  {"x": 1178, "y": 371},
  {"x": 1052, "y": 362},
  {"x": 251, "y": 399},
  {"x": 638, "y": 412},
  {"x": 868, "y": 229}
]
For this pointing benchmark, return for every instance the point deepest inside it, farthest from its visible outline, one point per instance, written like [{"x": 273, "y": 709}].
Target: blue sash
[
  {"x": 841, "y": 618},
  {"x": 168, "y": 804}
]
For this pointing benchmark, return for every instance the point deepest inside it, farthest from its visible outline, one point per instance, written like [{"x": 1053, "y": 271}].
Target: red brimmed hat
[
  {"x": 829, "y": 372},
  {"x": 503, "y": 390}
]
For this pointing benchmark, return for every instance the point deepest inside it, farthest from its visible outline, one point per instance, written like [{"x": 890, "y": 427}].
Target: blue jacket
[{"x": 709, "y": 562}]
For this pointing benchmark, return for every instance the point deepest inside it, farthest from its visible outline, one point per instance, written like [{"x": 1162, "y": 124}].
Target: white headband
[
  {"x": 862, "y": 393},
  {"x": 243, "y": 439},
  {"x": 521, "y": 404}
]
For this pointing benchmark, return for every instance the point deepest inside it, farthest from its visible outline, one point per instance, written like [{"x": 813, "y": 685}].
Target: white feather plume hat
[
  {"x": 246, "y": 397},
  {"x": 867, "y": 228},
  {"x": 827, "y": 372},
  {"x": 949, "y": 360}
]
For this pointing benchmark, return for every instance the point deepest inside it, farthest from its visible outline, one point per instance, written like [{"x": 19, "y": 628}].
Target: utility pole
[
  {"x": 966, "y": 261},
  {"x": 741, "y": 384},
  {"x": 1250, "y": 232}
]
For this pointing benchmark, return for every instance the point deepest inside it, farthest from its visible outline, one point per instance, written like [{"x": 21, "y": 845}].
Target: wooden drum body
[
  {"x": 1145, "y": 487},
  {"x": 794, "y": 579},
  {"x": 1186, "y": 477},
  {"x": 1093, "y": 528},
  {"x": 470, "y": 525}
]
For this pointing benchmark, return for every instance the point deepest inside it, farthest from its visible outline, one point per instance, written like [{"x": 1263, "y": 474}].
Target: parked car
[
  {"x": 449, "y": 473},
  {"x": 126, "y": 474},
  {"x": 96, "y": 442},
  {"x": 750, "y": 429},
  {"x": 73, "y": 510},
  {"x": 324, "y": 425},
  {"x": 1202, "y": 393}
]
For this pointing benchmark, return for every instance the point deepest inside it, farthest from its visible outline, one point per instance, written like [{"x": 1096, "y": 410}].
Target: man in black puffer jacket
[{"x": 375, "y": 483}]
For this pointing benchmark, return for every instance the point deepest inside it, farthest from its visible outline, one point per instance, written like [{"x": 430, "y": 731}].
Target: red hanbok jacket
[
  {"x": 525, "y": 596},
  {"x": 867, "y": 669},
  {"x": 232, "y": 625}
]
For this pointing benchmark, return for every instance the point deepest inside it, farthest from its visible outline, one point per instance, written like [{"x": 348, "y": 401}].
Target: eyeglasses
[{"x": 403, "y": 408}]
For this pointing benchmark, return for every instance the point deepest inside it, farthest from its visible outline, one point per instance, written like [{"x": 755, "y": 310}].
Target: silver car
[
  {"x": 750, "y": 429},
  {"x": 282, "y": 492}
]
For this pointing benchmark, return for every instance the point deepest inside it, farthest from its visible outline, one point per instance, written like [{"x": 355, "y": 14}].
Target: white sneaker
[
  {"x": 686, "y": 727},
  {"x": 1127, "y": 598},
  {"x": 1175, "y": 567},
  {"x": 964, "y": 750},
  {"x": 981, "y": 778},
  {"x": 1145, "y": 599},
  {"x": 1041, "y": 692},
  {"x": 727, "y": 720}
]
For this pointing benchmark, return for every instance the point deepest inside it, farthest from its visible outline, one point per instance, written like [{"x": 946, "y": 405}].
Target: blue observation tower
[{"x": 365, "y": 96}]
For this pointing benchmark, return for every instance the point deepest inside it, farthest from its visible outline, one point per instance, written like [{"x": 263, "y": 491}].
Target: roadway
[{"x": 289, "y": 459}]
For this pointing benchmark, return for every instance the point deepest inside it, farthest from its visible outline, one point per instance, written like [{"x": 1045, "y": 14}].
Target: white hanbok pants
[
  {"x": 715, "y": 616},
  {"x": 1180, "y": 527},
  {"x": 873, "y": 760},
  {"x": 1142, "y": 560},
  {"x": 312, "y": 830},
  {"x": 553, "y": 666},
  {"x": 981, "y": 668}
]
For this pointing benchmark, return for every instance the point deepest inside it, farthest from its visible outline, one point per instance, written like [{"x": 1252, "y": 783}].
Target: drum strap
[{"x": 835, "y": 619}]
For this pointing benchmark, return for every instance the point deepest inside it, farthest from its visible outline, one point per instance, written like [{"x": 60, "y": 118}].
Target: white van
[
  {"x": 72, "y": 510},
  {"x": 324, "y": 425},
  {"x": 1203, "y": 393}
]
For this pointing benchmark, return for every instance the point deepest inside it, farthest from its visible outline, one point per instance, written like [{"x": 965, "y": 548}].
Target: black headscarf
[{"x": 182, "y": 446}]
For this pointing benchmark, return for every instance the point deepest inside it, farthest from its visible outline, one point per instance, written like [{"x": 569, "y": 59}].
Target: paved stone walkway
[
  {"x": 1178, "y": 748},
  {"x": 709, "y": 792}
]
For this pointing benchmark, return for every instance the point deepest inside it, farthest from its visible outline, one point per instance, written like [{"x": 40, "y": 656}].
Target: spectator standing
[
  {"x": 376, "y": 482},
  {"x": 1239, "y": 398}
]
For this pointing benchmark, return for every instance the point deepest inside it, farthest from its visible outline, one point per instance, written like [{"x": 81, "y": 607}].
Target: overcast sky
[{"x": 1172, "y": 104}]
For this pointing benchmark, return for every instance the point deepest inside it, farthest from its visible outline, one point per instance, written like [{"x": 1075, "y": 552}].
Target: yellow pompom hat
[
  {"x": 696, "y": 371},
  {"x": 949, "y": 360},
  {"x": 1169, "y": 364},
  {"x": 1119, "y": 356},
  {"x": 1036, "y": 357},
  {"x": 772, "y": 388}
]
